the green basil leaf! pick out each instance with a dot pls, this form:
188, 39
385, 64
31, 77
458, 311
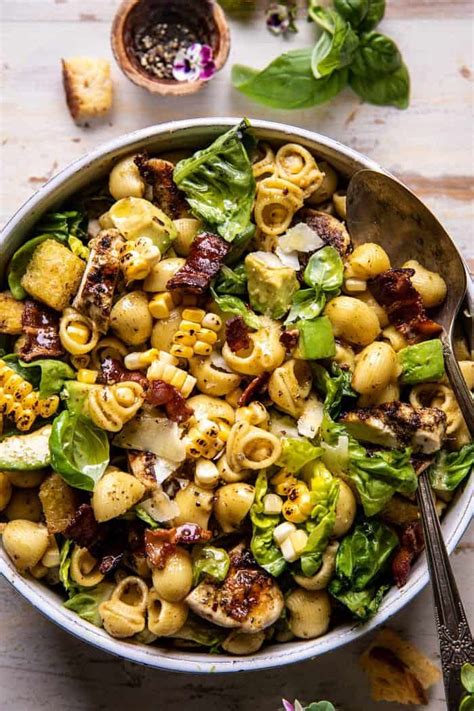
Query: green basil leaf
373, 16
218, 183
145, 517
335, 49
325, 270
307, 304
64, 566
211, 561
234, 305
288, 82
377, 54
354, 11
79, 450
53, 374
467, 677
384, 90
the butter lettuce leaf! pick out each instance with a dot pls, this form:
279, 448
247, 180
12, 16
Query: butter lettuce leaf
85, 603
296, 453
361, 563
450, 469
211, 561
264, 549
334, 384
324, 491
218, 182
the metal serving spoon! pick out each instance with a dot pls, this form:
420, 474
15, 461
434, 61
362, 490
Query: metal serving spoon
382, 210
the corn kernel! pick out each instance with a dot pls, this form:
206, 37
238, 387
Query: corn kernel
87, 376
298, 539
352, 285
282, 531
224, 431
272, 504
298, 506
25, 420
288, 551
48, 406
140, 359
79, 332
166, 357
208, 336
178, 378
189, 326
202, 349
212, 321
188, 386
184, 339
206, 474
195, 315
181, 351
160, 305
283, 482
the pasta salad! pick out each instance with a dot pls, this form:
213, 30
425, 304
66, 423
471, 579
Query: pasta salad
214, 408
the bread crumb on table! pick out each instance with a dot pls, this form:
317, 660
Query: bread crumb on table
397, 670
88, 87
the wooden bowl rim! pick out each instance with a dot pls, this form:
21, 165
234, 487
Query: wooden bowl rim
165, 87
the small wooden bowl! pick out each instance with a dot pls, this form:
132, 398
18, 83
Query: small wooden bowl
204, 15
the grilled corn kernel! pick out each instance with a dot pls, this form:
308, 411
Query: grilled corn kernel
202, 349
208, 336
139, 360
298, 505
184, 338
282, 531
283, 482
189, 327
47, 407
195, 315
272, 504
87, 376
206, 474
203, 440
164, 368
211, 321
160, 305
25, 420
181, 351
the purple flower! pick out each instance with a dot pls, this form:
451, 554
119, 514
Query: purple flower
281, 18
287, 705
194, 63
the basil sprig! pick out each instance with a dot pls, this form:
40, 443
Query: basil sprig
348, 51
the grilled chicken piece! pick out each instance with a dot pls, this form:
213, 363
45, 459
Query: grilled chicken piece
96, 291
396, 424
248, 599
158, 174
331, 230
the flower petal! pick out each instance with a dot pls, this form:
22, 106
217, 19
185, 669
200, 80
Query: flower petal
206, 54
207, 71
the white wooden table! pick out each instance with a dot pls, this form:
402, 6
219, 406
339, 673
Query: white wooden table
429, 146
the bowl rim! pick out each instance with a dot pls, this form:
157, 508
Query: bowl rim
45, 600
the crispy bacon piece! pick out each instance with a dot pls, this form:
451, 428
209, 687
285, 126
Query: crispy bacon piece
113, 371
202, 264
157, 551
395, 292
331, 230
411, 545
84, 528
166, 195
255, 389
41, 328
237, 334
187, 533
289, 339
160, 394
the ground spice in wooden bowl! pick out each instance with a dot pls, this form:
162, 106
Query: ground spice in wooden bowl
147, 36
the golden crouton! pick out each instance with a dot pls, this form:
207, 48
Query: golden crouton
88, 87
398, 671
10, 314
53, 274
59, 503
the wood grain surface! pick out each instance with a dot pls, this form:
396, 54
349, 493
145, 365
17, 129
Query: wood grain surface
429, 146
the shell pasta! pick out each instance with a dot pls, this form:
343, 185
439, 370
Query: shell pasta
210, 430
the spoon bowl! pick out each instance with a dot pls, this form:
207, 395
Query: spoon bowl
382, 210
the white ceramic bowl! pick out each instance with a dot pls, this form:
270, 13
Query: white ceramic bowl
171, 136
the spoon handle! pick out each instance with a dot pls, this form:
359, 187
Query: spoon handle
455, 640
459, 385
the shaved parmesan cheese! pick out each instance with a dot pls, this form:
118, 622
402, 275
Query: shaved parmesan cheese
300, 238
268, 258
218, 361
160, 507
163, 468
282, 425
288, 259
152, 434
312, 417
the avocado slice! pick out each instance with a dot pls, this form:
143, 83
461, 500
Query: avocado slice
271, 285
421, 363
316, 339
26, 452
